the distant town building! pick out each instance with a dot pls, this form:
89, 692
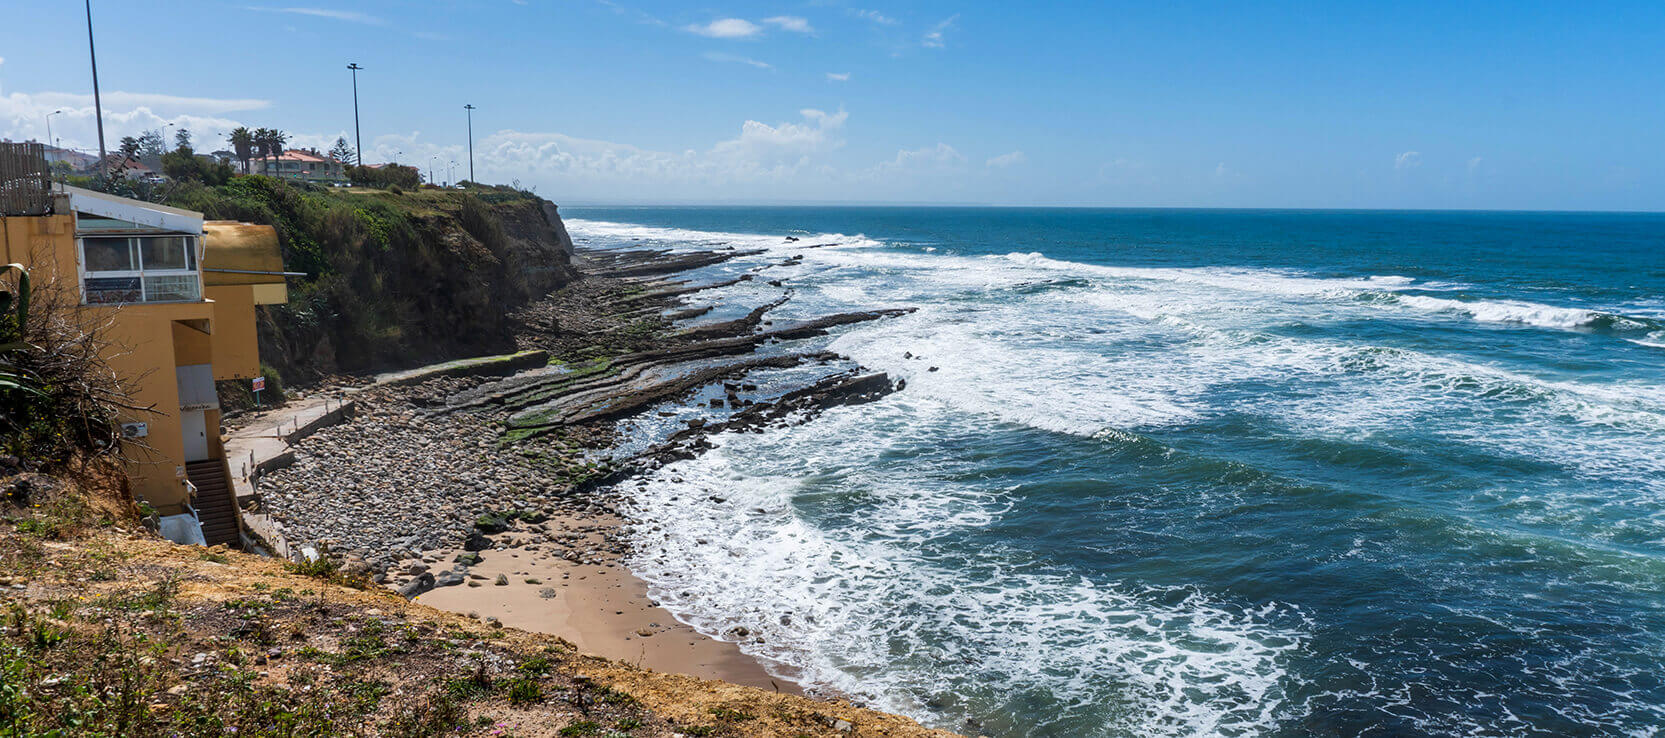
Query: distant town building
79, 161
302, 164
121, 166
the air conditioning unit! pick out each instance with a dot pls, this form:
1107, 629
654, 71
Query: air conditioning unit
135, 430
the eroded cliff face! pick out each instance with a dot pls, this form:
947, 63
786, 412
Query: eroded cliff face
417, 278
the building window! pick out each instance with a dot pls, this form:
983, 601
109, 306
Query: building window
140, 269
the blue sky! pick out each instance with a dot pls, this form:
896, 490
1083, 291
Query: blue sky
1402, 105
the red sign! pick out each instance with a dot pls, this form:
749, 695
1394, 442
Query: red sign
259, 383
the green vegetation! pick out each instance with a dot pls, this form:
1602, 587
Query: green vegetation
392, 277
51, 405
523, 692
385, 177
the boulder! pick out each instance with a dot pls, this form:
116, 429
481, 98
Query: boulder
422, 583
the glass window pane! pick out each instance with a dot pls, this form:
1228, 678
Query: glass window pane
108, 255
103, 290
164, 252
171, 288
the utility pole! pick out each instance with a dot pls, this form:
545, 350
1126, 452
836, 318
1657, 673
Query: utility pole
431, 161
358, 138
98, 105
470, 109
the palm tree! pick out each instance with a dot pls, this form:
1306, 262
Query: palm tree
270, 141
242, 144
263, 147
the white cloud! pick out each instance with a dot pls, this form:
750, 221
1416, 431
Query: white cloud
23, 115
1408, 160
1225, 175
726, 28
874, 16
351, 16
718, 56
1007, 160
790, 23
928, 160
934, 37
762, 155
1474, 165
838, 76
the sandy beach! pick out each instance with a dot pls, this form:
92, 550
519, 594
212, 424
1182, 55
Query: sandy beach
595, 603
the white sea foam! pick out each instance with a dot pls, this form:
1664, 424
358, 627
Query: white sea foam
1093, 351
1655, 339
867, 606
1514, 311
608, 234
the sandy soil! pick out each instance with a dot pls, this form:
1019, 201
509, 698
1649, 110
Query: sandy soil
599, 606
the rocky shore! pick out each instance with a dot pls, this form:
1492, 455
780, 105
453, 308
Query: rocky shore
431, 479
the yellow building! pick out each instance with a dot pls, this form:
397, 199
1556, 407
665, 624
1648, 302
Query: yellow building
175, 296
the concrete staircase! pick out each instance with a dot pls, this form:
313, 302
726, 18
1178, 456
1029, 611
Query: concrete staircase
215, 504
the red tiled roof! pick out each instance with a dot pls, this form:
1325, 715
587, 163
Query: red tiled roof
114, 161
299, 155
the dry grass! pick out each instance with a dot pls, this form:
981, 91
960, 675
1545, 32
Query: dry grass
109, 631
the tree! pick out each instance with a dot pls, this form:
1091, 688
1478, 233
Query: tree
242, 145
129, 150
263, 146
182, 139
270, 142
341, 152
151, 148
183, 164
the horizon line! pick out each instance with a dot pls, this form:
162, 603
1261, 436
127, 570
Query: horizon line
1009, 206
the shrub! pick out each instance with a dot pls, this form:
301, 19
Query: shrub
524, 692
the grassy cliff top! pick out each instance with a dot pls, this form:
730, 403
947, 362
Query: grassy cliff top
109, 631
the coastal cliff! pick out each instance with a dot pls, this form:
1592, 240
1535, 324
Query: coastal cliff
394, 278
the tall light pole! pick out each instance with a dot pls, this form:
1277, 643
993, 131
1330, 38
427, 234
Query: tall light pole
431, 161
358, 138
470, 109
98, 105
49, 126
450, 174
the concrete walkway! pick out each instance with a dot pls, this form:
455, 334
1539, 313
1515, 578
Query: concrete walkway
263, 445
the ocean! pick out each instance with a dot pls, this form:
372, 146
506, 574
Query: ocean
1193, 472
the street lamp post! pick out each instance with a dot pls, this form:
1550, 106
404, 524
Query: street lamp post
358, 138
98, 106
470, 109
450, 173
431, 161
49, 126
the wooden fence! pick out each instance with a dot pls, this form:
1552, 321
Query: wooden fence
25, 179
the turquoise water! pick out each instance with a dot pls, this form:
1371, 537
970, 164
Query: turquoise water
1196, 472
